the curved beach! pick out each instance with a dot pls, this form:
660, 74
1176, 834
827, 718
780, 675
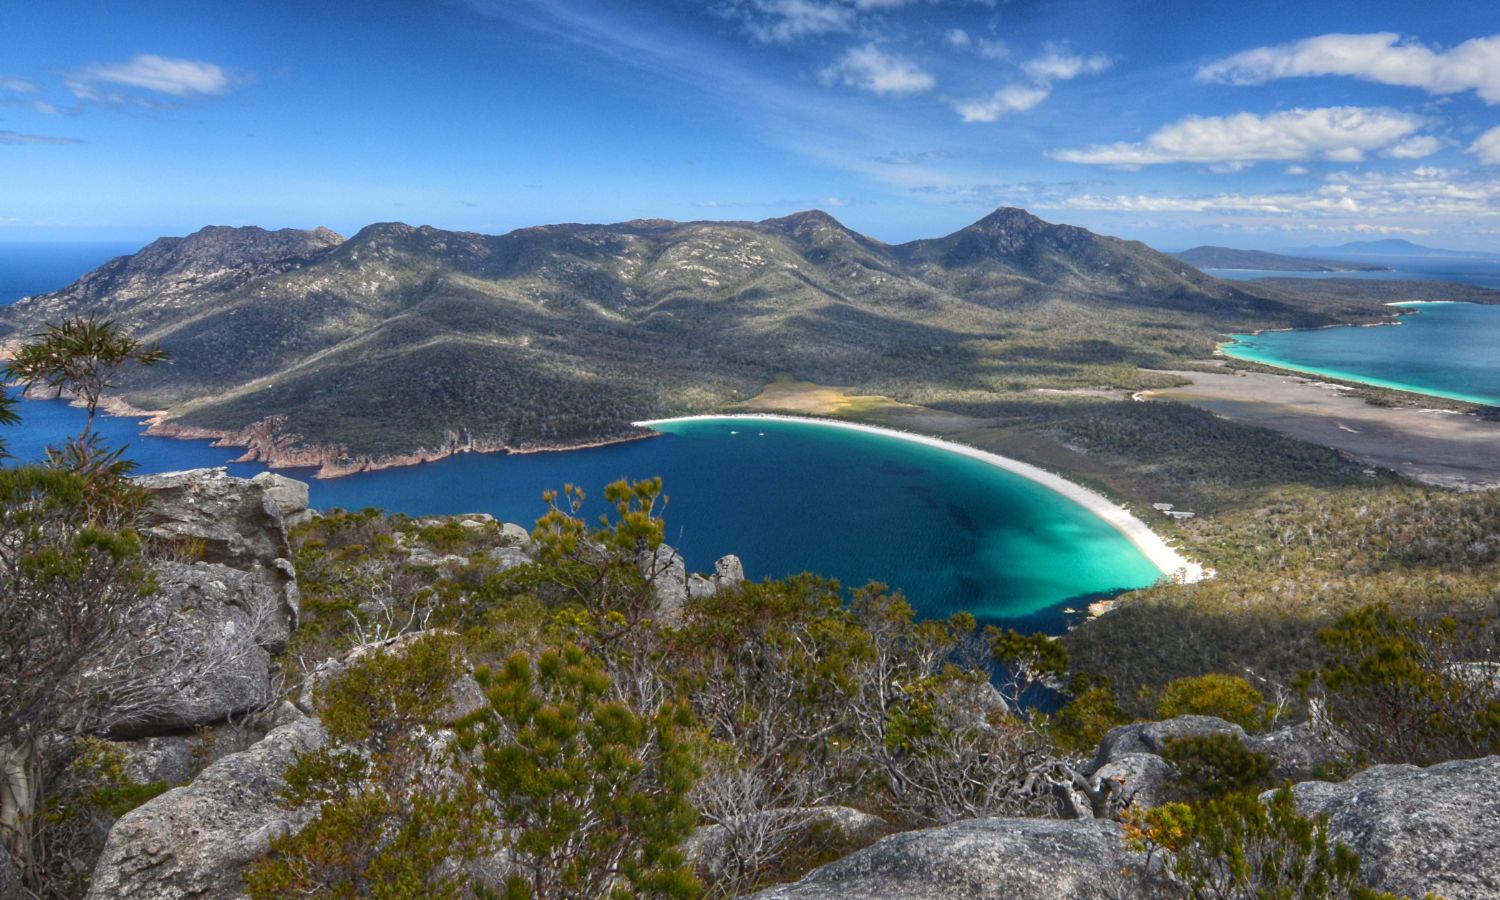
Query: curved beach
1171, 563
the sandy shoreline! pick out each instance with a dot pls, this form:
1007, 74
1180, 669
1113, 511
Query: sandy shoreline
1169, 561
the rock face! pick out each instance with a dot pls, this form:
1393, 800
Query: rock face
1418, 830
1017, 859
196, 841
205, 640
238, 523
205, 660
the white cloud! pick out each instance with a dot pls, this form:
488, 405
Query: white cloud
871, 69
1297, 170
161, 74
782, 21
957, 37
1384, 58
1487, 147
1414, 147
1337, 134
18, 85
1398, 201
836, 202
1058, 65
1055, 64
1009, 99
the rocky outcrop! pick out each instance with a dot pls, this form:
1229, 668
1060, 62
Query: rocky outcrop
200, 661
1018, 859
1418, 830
234, 522
673, 584
196, 841
200, 649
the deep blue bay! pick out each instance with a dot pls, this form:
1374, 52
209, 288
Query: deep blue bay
1442, 349
954, 533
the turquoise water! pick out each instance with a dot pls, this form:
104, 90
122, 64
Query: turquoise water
952, 532
1442, 349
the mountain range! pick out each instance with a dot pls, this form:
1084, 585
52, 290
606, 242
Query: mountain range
404, 343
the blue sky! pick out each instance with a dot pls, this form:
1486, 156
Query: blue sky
1253, 124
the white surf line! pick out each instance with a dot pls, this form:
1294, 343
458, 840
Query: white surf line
1171, 563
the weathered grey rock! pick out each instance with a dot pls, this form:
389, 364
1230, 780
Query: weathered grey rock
516, 533
507, 558
195, 841
710, 848
1418, 830
1143, 779
199, 660
466, 696
728, 571
667, 572
176, 758
1152, 737
699, 586
289, 495
1299, 750
238, 523
1016, 859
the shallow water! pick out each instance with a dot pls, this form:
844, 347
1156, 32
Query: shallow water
1442, 349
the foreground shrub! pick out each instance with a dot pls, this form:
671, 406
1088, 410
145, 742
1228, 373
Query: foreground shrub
1239, 848
1217, 765
1227, 696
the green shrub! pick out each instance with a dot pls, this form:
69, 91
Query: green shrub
1238, 847
1227, 696
1217, 765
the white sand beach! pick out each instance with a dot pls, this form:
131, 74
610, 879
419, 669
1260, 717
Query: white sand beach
1171, 563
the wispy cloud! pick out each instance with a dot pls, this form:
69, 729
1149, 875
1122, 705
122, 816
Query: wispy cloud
782, 21
909, 158
1487, 147
159, 74
1337, 134
15, 137
872, 69
1055, 64
1384, 58
1407, 200
19, 85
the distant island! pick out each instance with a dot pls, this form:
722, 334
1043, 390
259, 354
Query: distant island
1208, 257
403, 344
1387, 247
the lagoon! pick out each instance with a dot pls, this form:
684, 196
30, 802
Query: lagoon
1440, 349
